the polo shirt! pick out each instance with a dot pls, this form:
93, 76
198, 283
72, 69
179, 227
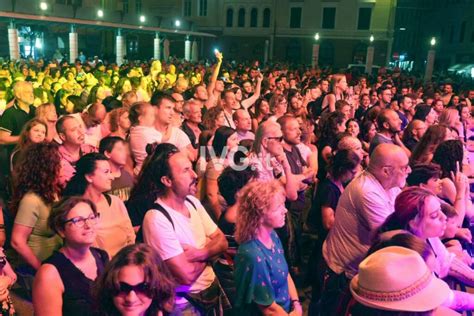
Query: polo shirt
13, 120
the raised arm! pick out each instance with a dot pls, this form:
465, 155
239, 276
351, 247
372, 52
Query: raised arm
247, 103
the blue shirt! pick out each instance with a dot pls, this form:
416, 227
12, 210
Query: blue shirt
261, 276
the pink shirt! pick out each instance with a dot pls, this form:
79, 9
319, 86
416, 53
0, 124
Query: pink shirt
68, 164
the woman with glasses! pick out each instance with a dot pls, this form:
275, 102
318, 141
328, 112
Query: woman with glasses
92, 179
63, 283
135, 282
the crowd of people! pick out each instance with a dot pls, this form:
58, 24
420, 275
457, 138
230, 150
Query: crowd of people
185, 189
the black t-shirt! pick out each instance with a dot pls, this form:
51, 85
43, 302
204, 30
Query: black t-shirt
13, 120
327, 194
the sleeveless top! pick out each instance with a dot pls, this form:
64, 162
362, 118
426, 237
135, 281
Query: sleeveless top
77, 297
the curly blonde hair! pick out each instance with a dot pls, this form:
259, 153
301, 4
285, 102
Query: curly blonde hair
254, 201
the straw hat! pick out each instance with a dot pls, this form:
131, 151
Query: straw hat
397, 279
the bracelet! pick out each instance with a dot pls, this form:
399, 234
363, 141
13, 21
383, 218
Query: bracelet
295, 301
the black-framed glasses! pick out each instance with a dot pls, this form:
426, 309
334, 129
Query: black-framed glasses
276, 138
80, 221
142, 288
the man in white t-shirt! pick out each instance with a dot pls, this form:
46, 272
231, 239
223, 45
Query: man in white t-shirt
182, 231
362, 208
164, 109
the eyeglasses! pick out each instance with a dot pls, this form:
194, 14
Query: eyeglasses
80, 221
404, 169
277, 138
139, 289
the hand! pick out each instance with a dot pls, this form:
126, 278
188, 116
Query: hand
193, 254
219, 56
297, 309
460, 181
5, 282
465, 234
259, 77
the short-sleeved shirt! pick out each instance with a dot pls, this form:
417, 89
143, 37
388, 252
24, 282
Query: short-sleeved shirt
114, 230
363, 207
167, 238
13, 120
327, 194
377, 140
178, 138
68, 164
33, 212
261, 276
140, 136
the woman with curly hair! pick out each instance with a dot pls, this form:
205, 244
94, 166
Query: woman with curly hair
136, 268
213, 118
263, 283
33, 132
36, 187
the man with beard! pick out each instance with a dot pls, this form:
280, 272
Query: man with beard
181, 231
200, 94
290, 234
389, 125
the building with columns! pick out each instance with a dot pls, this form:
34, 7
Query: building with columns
268, 30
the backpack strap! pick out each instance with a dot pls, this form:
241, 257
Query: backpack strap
162, 210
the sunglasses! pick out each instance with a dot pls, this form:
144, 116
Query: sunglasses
139, 289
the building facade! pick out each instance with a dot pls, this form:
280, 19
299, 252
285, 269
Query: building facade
450, 22
272, 30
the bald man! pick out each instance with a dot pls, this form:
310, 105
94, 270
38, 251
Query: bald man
364, 205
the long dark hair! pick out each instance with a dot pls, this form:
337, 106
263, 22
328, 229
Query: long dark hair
156, 165
219, 143
161, 286
447, 155
38, 173
86, 165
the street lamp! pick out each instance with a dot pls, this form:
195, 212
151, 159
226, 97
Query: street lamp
177, 23
371, 38
315, 58
142, 18
430, 59
433, 41
369, 58
100, 13
43, 6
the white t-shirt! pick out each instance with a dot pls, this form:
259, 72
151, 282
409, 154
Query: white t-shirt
178, 138
159, 233
362, 208
140, 136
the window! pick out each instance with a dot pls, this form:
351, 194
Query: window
462, 32
451, 34
364, 18
138, 6
266, 18
202, 8
230, 18
253, 17
187, 8
60, 1
125, 6
329, 18
241, 18
472, 37
295, 18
